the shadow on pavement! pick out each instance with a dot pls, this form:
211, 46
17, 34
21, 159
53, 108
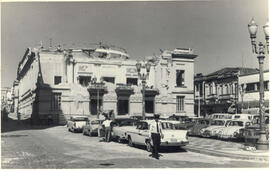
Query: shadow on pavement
163, 149
12, 136
9, 125
171, 149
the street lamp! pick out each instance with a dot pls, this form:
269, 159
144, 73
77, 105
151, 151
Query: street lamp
262, 143
143, 77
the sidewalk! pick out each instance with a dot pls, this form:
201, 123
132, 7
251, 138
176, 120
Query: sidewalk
224, 149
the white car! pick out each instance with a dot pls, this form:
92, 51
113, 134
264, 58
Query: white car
76, 123
232, 130
215, 126
91, 127
119, 131
171, 137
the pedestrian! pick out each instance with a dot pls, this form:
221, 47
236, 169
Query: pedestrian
155, 134
111, 115
174, 117
107, 126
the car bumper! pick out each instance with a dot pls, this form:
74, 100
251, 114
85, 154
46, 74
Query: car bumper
183, 143
95, 131
78, 129
227, 136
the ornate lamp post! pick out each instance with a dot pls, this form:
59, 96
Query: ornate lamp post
262, 143
143, 77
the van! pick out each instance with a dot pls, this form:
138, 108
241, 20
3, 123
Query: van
220, 116
243, 116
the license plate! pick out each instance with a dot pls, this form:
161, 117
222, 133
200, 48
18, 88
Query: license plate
173, 140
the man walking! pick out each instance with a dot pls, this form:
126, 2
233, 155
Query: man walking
155, 134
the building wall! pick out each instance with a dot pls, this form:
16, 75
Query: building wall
51, 65
27, 86
220, 91
249, 97
38, 94
217, 95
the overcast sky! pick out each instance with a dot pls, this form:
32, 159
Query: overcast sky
217, 30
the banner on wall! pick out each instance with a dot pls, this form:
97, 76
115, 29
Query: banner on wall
131, 72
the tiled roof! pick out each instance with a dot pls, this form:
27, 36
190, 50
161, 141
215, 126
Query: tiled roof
234, 70
227, 72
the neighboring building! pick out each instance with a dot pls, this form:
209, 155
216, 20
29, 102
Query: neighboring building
59, 83
6, 102
6, 98
249, 92
219, 90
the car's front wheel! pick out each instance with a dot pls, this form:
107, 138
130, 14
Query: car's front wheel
130, 143
90, 133
118, 139
148, 146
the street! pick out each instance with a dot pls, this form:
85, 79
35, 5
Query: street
55, 147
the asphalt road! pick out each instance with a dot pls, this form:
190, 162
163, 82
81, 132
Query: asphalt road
55, 147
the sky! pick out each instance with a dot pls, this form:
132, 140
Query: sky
216, 30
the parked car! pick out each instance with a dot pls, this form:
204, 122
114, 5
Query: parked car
187, 123
91, 127
215, 125
250, 134
200, 124
76, 123
120, 128
232, 130
139, 135
178, 118
178, 125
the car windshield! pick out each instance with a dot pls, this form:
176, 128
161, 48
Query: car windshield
127, 123
96, 122
222, 116
167, 125
267, 121
236, 123
227, 123
142, 125
80, 119
218, 123
179, 126
204, 122
256, 120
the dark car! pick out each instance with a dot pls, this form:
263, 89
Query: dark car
251, 133
186, 123
200, 124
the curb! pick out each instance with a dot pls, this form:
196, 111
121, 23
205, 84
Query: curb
223, 154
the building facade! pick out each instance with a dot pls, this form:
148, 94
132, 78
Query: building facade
6, 98
218, 91
249, 94
58, 83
